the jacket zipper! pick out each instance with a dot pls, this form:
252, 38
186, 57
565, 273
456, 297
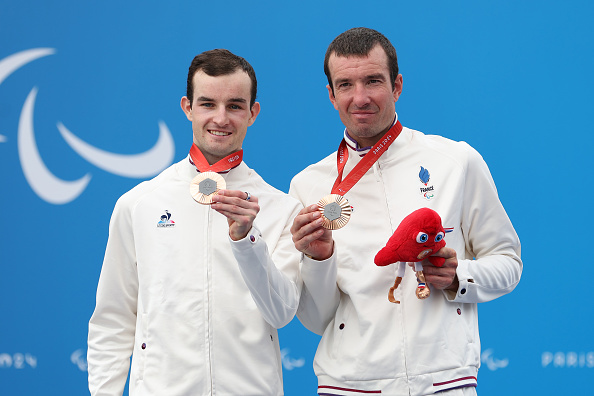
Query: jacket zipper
208, 304
378, 177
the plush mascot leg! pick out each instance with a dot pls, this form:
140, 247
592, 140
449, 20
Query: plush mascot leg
399, 274
391, 292
423, 290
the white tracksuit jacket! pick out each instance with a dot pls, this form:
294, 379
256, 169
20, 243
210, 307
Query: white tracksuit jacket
417, 347
197, 311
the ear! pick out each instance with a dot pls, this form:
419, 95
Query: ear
331, 96
397, 87
255, 110
186, 106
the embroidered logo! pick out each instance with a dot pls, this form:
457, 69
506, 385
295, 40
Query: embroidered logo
165, 220
428, 191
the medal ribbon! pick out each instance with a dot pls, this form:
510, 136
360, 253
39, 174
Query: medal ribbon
341, 187
230, 161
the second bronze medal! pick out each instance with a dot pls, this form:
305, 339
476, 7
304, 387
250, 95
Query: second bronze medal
335, 210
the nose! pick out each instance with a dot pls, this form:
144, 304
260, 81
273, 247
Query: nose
361, 96
221, 117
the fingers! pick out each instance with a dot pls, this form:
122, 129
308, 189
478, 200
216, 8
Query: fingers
309, 236
235, 196
306, 217
234, 202
440, 278
446, 253
444, 276
307, 226
240, 212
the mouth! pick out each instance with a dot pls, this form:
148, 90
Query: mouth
218, 133
362, 114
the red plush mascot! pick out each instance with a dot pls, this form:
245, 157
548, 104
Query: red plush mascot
419, 235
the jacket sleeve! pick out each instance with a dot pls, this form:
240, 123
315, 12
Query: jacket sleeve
320, 295
273, 280
112, 325
492, 265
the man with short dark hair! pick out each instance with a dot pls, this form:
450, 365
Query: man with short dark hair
199, 269
377, 336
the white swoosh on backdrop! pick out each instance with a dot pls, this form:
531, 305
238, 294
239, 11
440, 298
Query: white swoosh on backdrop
54, 190
140, 165
13, 62
42, 181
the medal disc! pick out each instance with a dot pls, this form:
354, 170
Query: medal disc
205, 185
335, 210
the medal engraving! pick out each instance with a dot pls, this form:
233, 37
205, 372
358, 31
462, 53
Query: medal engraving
205, 186
332, 211
336, 211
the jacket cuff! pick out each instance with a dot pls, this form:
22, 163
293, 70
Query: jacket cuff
252, 237
319, 269
467, 289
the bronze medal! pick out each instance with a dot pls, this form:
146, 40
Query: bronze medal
335, 210
205, 185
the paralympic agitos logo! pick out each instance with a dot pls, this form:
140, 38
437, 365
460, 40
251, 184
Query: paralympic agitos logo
50, 187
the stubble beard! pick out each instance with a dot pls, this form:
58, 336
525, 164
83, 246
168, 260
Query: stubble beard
367, 135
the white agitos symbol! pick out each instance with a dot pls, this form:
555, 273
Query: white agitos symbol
53, 189
492, 363
79, 357
290, 363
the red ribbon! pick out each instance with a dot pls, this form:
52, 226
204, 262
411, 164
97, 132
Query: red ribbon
341, 187
230, 161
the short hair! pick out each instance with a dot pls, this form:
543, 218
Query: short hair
220, 62
359, 42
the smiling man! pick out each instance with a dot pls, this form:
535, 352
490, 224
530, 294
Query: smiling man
199, 269
370, 345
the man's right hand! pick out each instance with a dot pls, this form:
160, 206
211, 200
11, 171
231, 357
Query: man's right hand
309, 236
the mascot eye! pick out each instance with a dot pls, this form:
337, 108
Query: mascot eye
422, 237
439, 236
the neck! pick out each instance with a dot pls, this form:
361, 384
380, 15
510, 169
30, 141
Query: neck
209, 157
213, 162
366, 142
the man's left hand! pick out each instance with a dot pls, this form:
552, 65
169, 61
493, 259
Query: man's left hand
240, 211
444, 277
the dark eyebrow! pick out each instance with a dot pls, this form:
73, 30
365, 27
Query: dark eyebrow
377, 76
232, 100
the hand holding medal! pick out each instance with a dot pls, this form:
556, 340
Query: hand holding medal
208, 188
312, 227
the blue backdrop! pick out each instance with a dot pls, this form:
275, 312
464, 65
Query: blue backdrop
87, 84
